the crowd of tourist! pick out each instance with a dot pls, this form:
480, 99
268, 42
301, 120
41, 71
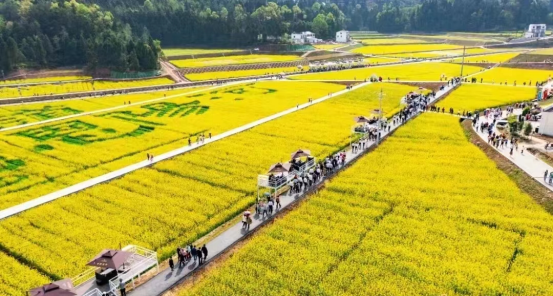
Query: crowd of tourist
185, 255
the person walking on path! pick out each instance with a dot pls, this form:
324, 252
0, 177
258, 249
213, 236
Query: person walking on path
271, 206
193, 253
204, 251
545, 175
199, 254
249, 222
122, 288
278, 205
244, 221
171, 263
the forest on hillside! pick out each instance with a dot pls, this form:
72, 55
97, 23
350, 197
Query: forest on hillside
126, 34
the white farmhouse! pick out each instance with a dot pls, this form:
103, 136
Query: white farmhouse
304, 37
535, 31
342, 36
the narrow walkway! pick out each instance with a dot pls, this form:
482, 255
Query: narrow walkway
172, 71
167, 279
118, 173
11, 128
526, 161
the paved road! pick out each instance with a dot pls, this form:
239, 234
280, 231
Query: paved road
166, 279
526, 161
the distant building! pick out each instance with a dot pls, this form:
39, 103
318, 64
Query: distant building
535, 31
342, 36
304, 37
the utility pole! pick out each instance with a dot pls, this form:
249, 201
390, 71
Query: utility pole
463, 61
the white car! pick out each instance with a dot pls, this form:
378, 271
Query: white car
501, 124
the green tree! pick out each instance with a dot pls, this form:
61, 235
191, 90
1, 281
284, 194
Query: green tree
134, 65
319, 26
14, 54
527, 129
5, 62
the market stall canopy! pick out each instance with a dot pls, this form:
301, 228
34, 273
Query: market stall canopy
279, 168
59, 288
361, 119
110, 259
301, 153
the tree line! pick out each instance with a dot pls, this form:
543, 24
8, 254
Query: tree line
117, 34
47, 34
241, 22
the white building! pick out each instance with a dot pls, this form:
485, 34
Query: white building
535, 31
342, 36
304, 37
546, 121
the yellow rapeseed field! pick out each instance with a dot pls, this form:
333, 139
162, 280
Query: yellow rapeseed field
417, 71
471, 97
17, 278
328, 46
426, 213
176, 201
72, 87
389, 49
374, 41
443, 53
232, 60
43, 80
41, 159
492, 58
241, 73
13, 115
510, 75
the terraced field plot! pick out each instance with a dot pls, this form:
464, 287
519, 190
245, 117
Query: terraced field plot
13, 115
374, 41
243, 73
390, 49
41, 159
418, 72
232, 60
176, 201
170, 52
72, 87
510, 75
544, 51
472, 37
432, 216
470, 97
